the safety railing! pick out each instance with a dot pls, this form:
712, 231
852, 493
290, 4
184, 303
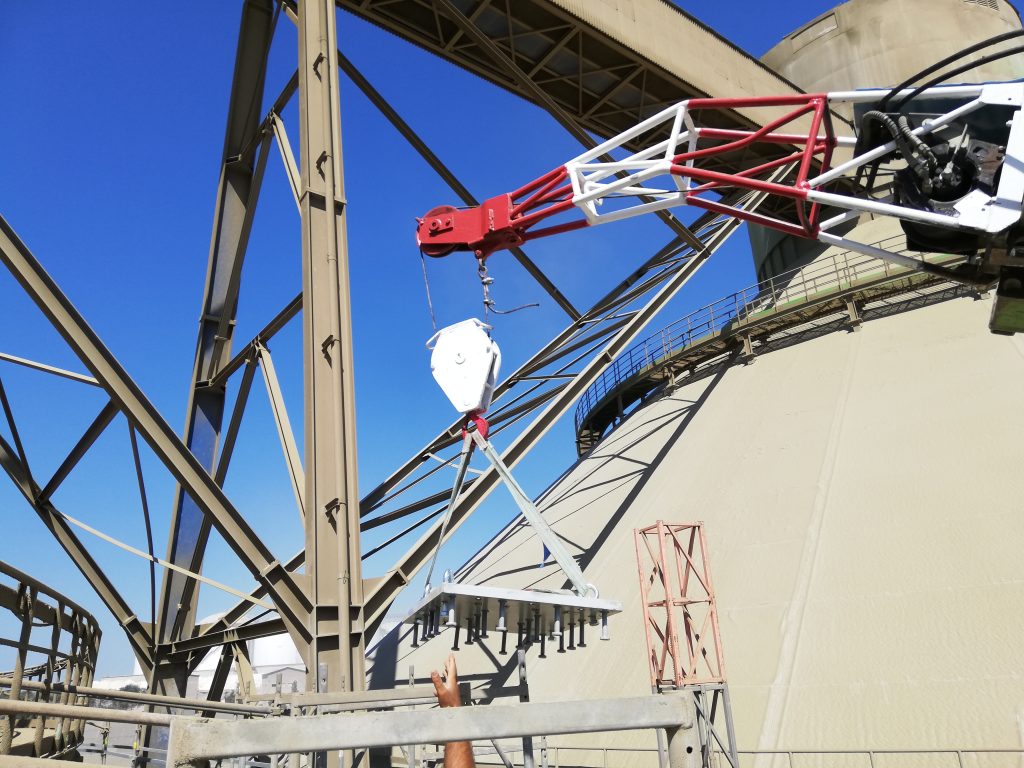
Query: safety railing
103, 747
112, 719
782, 293
613, 757
55, 646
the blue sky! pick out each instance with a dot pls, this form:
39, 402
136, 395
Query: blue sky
111, 143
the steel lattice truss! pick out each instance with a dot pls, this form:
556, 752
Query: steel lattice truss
527, 404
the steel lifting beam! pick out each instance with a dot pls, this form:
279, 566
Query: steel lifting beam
286, 593
237, 191
385, 590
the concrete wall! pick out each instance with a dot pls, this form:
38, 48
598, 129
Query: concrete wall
863, 508
878, 43
669, 37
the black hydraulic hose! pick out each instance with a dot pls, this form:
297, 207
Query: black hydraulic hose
894, 130
909, 144
948, 60
958, 71
885, 120
918, 143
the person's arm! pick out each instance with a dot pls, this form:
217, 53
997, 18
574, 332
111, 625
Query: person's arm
457, 754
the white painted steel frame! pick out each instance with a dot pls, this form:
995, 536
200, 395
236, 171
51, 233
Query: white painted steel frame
589, 176
536, 520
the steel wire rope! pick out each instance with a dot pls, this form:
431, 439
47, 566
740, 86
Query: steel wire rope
486, 281
166, 564
426, 286
959, 71
948, 60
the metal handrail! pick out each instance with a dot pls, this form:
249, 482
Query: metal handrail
59, 673
764, 299
868, 754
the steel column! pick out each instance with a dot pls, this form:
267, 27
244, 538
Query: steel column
335, 656
26, 600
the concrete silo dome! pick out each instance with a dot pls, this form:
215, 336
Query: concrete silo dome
878, 43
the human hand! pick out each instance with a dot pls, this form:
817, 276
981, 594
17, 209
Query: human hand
447, 687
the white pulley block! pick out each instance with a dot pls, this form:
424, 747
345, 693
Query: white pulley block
465, 363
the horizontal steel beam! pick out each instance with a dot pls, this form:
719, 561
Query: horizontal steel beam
24, 761
202, 643
9, 707
192, 741
139, 698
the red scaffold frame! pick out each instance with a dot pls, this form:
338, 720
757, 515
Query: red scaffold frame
669, 173
685, 648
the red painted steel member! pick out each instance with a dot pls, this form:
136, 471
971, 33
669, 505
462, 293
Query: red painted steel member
507, 220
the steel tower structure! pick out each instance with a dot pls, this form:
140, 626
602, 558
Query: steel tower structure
318, 595
581, 64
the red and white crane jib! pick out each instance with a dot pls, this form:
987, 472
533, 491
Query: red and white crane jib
610, 182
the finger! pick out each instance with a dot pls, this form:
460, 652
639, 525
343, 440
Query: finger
449, 667
435, 678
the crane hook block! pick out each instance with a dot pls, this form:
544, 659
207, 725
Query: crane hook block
465, 363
